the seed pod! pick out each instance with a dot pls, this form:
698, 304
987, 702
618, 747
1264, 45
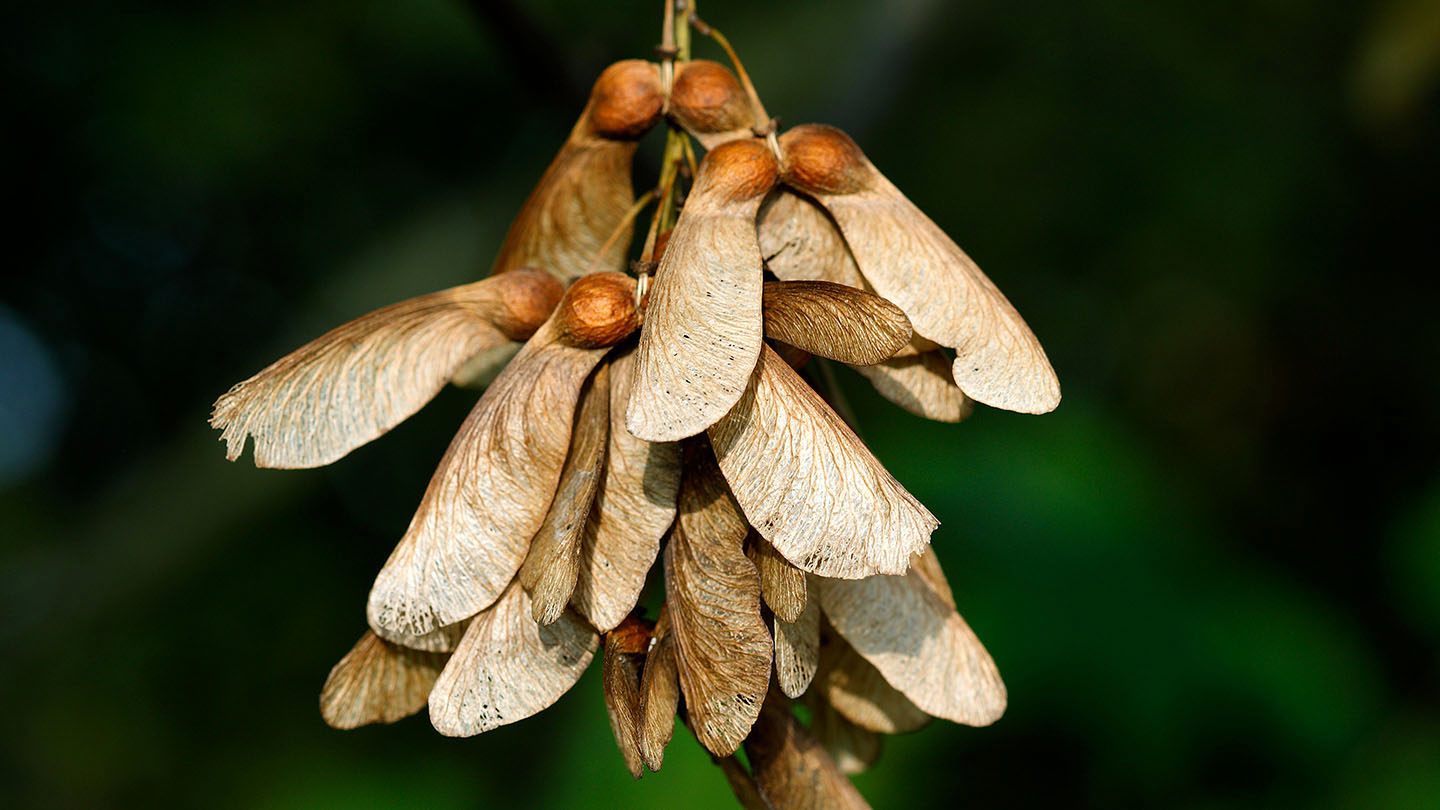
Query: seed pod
708, 101
553, 563
659, 694
494, 487
703, 331
355, 382
910, 261
598, 311
584, 194
625, 646
810, 486
508, 667
626, 100
378, 682
797, 647
722, 647
946, 671
634, 507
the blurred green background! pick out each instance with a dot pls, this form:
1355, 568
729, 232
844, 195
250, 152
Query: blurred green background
1211, 578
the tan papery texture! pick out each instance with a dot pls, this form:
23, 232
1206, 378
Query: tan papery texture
810, 486
712, 593
919, 643
634, 507
550, 570
853, 748
856, 689
580, 200
835, 321
620, 679
355, 382
927, 565
910, 261
489, 495
792, 770
378, 682
441, 639
508, 667
800, 242
781, 584
921, 383
702, 330
659, 694
797, 648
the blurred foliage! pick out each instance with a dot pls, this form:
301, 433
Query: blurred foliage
1211, 578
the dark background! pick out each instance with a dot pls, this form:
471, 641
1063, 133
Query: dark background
1211, 578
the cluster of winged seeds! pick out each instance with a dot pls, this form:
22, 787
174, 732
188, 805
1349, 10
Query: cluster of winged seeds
673, 421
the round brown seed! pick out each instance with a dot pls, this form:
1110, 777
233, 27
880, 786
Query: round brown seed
708, 98
527, 299
626, 99
739, 170
597, 311
822, 159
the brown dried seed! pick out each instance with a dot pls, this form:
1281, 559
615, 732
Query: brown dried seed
528, 298
620, 679
739, 170
824, 160
707, 100
378, 682
597, 311
626, 100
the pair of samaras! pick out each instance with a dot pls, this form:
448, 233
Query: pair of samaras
703, 323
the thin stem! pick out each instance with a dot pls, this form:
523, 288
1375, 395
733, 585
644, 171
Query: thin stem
674, 47
761, 117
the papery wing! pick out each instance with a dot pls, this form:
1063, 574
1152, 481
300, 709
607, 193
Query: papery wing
489, 495
834, 321
722, 646
508, 667
355, 382
919, 643
634, 507
378, 682
553, 564
810, 486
